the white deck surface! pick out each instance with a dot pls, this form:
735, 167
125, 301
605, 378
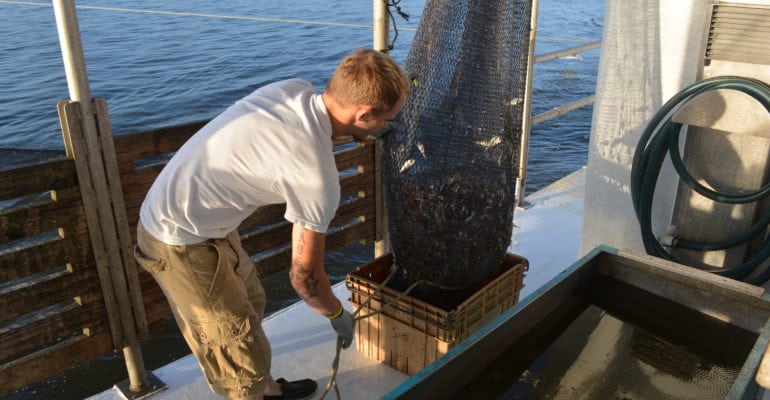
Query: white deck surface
547, 234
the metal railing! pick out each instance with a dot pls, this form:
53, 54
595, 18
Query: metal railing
529, 121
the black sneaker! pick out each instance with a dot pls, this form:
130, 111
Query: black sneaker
294, 390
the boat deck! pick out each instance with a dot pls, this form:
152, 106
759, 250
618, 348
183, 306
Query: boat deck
546, 233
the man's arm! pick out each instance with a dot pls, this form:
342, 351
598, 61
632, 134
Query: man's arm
307, 273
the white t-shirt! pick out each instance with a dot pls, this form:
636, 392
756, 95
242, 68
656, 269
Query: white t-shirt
273, 146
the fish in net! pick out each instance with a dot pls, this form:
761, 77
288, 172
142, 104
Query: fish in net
450, 164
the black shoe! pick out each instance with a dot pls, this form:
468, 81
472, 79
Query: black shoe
294, 390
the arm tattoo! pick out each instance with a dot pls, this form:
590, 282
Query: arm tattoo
303, 278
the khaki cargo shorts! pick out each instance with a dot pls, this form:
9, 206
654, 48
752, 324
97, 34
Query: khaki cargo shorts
217, 300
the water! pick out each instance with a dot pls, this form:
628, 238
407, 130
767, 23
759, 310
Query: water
162, 69
158, 70
620, 343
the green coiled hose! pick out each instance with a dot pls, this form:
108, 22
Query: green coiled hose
661, 137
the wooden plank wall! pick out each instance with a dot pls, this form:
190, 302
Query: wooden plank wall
53, 314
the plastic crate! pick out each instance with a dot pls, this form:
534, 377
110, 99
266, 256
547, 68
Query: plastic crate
409, 334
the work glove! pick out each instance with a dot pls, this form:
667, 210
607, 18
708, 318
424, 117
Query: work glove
343, 324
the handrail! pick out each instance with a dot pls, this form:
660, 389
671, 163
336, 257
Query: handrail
572, 51
557, 111
561, 110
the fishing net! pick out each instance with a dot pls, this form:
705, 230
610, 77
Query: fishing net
450, 166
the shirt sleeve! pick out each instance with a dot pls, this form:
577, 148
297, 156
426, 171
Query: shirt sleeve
312, 198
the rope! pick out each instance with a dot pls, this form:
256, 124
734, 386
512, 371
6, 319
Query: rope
365, 303
394, 4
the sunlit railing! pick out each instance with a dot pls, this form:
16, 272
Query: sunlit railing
557, 111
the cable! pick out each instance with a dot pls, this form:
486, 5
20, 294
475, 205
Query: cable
364, 304
661, 137
405, 16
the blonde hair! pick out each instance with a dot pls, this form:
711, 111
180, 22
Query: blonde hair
370, 77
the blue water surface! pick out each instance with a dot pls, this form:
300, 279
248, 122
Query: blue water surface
166, 63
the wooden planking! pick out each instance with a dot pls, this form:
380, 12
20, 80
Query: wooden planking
353, 184
350, 185
101, 232
143, 145
279, 261
362, 207
65, 211
276, 262
126, 284
268, 238
147, 145
37, 178
153, 143
64, 355
279, 234
75, 250
62, 286
135, 186
353, 157
360, 231
264, 215
136, 182
48, 328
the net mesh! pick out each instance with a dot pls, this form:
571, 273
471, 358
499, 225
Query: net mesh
450, 166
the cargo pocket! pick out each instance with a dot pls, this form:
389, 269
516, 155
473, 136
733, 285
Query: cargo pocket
229, 351
211, 263
150, 264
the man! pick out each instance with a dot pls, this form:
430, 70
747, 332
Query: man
273, 146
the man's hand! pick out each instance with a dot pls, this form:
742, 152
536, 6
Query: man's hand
343, 325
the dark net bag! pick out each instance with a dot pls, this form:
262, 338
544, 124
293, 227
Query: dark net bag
450, 166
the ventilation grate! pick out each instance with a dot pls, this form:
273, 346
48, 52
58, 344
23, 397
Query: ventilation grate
739, 33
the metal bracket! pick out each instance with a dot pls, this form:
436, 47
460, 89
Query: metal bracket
154, 385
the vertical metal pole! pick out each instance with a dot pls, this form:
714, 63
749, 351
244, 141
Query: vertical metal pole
380, 25
526, 121
74, 62
380, 42
77, 81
